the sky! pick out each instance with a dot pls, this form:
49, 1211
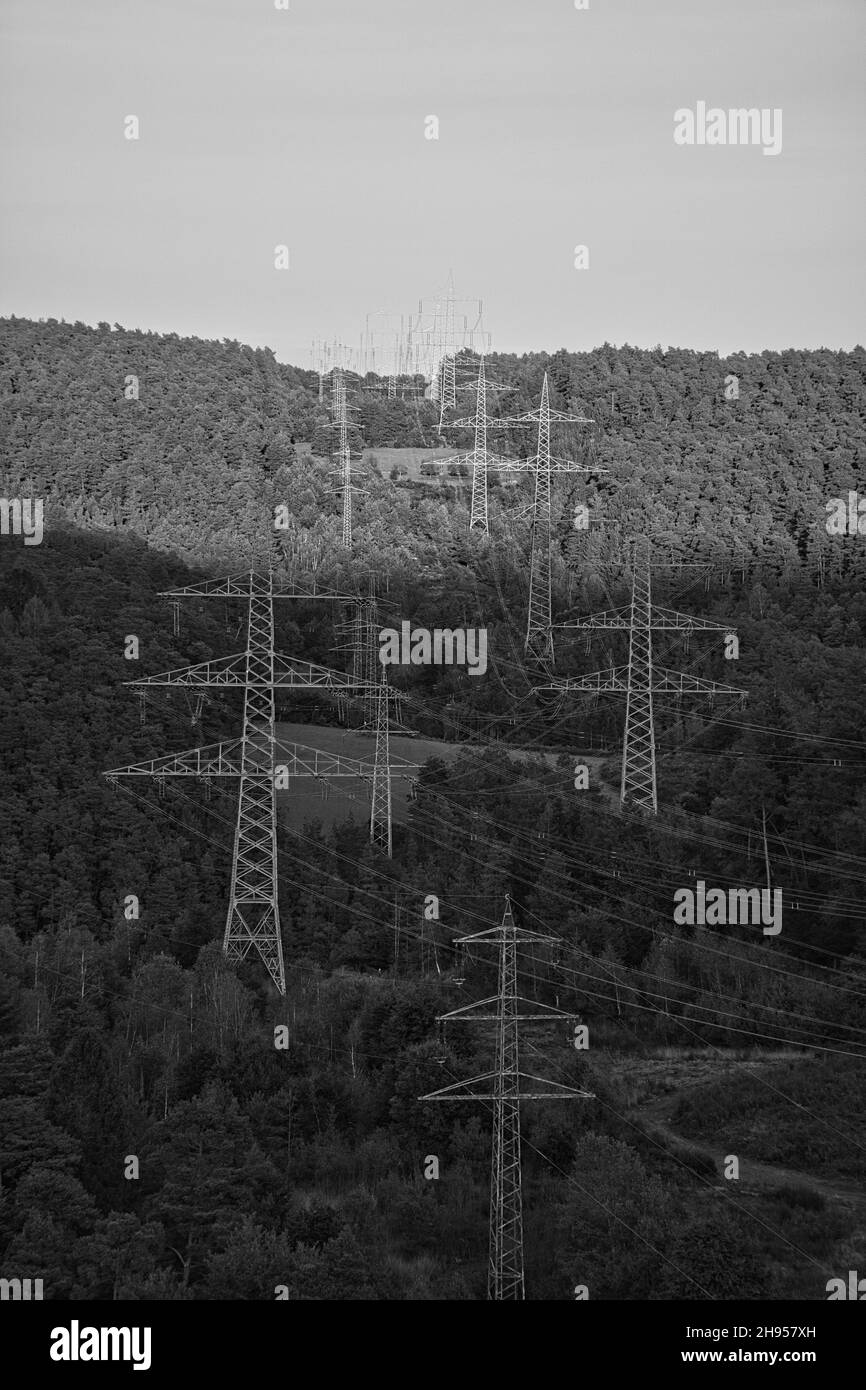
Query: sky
305, 127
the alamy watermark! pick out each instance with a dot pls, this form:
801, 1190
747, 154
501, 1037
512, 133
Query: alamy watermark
419, 646
735, 907
846, 517
22, 516
20, 1290
76, 1343
737, 126
854, 1288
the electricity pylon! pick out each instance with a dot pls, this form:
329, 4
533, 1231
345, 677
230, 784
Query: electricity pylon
479, 459
509, 1087
252, 921
441, 341
400, 347
640, 680
340, 411
326, 357
293, 760
380, 808
442, 382
539, 634
364, 647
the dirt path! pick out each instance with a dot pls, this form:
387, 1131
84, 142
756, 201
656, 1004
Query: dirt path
754, 1177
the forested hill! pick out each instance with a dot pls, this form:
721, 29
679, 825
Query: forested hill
218, 435
304, 1168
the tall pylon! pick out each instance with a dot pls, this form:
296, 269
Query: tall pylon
638, 777
509, 1086
539, 623
365, 655
395, 346
478, 511
539, 635
252, 921
480, 459
448, 387
443, 385
380, 809
362, 629
340, 421
641, 679
347, 500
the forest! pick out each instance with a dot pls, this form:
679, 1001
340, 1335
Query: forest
154, 1142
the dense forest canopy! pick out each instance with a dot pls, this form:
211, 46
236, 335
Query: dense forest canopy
304, 1167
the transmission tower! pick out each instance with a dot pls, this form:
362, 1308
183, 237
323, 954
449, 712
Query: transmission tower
539, 634
364, 647
340, 421
328, 357
439, 335
480, 459
443, 384
253, 920
508, 1087
387, 348
641, 679
380, 810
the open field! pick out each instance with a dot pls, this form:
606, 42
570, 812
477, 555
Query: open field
412, 459
335, 799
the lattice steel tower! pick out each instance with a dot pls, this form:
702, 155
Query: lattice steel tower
509, 1086
641, 679
253, 922
364, 648
340, 411
539, 635
380, 810
479, 459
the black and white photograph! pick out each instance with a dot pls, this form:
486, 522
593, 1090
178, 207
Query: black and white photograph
433, 651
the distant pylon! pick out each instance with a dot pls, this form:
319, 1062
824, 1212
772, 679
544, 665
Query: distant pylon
380, 810
448, 388
640, 680
478, 512
540, 615
365, 654
443, 377
395, 346
340, 411
505, 1277
480, 459
347, 499
539, 635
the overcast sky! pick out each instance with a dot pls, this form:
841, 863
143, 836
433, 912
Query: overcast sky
307, 127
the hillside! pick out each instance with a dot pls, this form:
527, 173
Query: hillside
124, 1035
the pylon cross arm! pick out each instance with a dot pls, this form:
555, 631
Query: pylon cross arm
613, 618
556, 1092
560, 467
238, 586
213, 760
668, 619
495, 936
612, 681
666, 682
224, 671
504, 464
